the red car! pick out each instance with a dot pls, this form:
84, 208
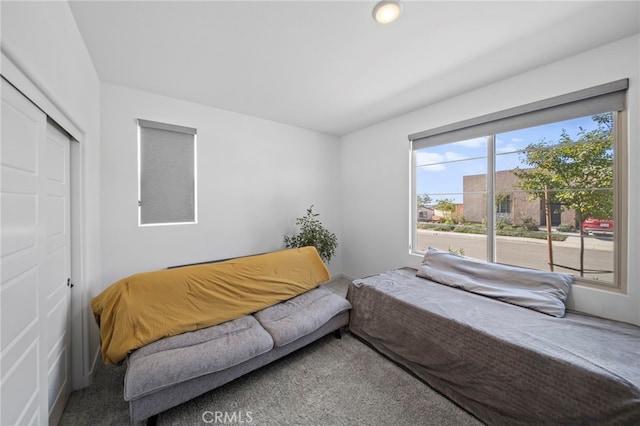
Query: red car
598, 226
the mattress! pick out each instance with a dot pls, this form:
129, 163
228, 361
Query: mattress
503, 363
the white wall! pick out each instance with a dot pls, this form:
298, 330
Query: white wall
254, 178
43, 41
376, 173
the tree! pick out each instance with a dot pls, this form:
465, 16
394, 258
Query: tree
447, 206
577, 174
423, 200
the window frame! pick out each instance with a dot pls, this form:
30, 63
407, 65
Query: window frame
477, 127
141, 123
504, 202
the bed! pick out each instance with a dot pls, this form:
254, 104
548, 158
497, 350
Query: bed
504, 363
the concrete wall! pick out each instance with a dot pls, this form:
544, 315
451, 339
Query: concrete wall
522, 207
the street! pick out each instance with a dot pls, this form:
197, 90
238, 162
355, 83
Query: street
530, 252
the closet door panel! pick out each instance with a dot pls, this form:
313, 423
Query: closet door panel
35, 264
57, 266
23, 372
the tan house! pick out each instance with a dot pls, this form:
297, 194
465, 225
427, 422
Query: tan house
512, 204
425, 214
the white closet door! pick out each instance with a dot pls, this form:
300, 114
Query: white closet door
57, 269
34, 264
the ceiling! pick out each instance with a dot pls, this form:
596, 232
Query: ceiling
326, 65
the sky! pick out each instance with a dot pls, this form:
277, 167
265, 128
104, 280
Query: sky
439, 169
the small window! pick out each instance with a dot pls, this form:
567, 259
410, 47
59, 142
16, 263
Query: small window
503, 208
166, 174
503, 204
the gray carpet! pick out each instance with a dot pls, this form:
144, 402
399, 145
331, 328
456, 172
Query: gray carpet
330, 382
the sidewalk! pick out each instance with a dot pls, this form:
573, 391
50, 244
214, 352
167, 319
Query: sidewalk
591, 242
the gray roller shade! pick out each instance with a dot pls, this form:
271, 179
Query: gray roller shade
167, 173
594, 100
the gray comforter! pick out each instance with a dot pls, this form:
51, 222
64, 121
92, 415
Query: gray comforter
503, 363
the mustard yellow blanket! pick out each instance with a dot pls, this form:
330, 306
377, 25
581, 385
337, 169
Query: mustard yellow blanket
145, 307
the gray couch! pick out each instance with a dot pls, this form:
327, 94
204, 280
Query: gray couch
173, 370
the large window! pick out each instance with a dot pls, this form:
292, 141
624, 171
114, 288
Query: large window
167, 174
540, 186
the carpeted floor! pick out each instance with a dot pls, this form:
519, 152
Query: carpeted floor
330, 382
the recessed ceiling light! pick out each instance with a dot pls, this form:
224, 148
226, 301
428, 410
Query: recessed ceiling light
386, 12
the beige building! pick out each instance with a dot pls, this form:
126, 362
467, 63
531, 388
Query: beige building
511, 204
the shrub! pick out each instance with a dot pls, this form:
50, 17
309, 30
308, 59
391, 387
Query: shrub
313, 233
459, 252
503, 223
529, 224
566, 227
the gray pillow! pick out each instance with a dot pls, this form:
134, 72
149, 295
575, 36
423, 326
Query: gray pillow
542, 291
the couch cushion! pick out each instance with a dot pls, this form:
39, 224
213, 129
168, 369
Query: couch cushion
541, 291
179, 358
297, 317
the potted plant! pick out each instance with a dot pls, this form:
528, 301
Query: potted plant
313, 233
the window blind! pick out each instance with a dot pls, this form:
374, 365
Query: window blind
167, 173
594, 100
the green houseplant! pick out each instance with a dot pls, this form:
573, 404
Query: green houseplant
313, 233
